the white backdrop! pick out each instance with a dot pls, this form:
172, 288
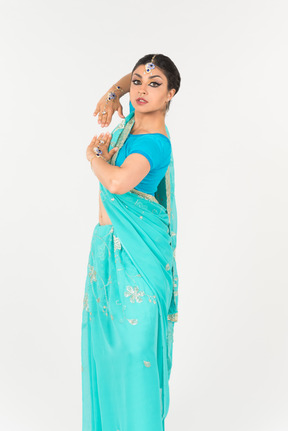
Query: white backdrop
228, 126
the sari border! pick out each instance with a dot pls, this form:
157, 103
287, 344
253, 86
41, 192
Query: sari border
168, 192
144, 195
173, 317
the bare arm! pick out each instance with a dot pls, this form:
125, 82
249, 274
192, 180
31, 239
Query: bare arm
112, 105
117, 179
121, 179
124, 83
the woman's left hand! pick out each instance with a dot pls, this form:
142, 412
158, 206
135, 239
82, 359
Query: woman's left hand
103, 146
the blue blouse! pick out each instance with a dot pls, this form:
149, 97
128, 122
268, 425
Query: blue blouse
156, 147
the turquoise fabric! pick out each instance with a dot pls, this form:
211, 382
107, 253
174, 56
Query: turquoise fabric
157, 149
130, 307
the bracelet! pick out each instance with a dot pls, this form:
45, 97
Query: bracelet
111, 95
117, 87
96, 156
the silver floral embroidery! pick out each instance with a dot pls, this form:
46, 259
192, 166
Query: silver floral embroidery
92, 273
85, 302
117, 243
167, 266
134, 293
147, 364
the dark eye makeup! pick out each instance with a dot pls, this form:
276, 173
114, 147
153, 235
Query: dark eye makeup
153, 82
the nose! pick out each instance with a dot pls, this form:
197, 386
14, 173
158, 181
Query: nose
142, 89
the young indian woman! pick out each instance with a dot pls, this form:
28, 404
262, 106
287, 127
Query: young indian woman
130, 301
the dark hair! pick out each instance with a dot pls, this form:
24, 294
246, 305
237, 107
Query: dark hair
167, 66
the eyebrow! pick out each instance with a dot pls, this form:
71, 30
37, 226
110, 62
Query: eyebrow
150, 77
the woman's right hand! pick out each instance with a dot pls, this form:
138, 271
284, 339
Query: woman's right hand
111, 106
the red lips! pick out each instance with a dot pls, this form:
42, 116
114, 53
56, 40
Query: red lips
141, 98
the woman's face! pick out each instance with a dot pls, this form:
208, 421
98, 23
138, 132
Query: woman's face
151, 87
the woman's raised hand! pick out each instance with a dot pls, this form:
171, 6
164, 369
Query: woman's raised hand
110, 107
103, 142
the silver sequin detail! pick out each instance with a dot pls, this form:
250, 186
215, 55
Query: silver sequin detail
133, 321
117, 243
134, 293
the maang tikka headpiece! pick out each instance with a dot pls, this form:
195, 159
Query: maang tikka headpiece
150, 66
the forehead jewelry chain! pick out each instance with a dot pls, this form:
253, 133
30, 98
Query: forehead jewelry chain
150, 66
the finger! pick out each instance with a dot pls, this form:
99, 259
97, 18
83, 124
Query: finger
101, 137
107, 139
93, 139
103, 118
109, 116
113, 151
96, 111
120, 111
96, 139
102, 140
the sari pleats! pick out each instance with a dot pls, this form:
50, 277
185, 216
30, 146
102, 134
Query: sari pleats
121, 346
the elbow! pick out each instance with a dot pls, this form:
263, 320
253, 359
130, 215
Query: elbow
114, 187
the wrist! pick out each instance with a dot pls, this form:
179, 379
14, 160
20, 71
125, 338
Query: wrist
117, 90
96, 157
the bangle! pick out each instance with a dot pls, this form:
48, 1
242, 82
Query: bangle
91, 160
117, 87
96, 156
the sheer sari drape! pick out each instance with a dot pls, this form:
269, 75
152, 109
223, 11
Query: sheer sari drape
142, 242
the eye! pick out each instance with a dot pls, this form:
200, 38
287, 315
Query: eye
154, 82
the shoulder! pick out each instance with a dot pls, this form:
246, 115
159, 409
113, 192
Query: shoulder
152, 138
155, 147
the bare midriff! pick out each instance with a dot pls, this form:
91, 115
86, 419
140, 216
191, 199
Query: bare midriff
103, 216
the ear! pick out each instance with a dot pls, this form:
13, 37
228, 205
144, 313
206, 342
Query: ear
171, 94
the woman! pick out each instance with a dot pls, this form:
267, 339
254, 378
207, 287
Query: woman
131, 303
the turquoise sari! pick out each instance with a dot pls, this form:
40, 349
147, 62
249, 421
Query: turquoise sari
130, 307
